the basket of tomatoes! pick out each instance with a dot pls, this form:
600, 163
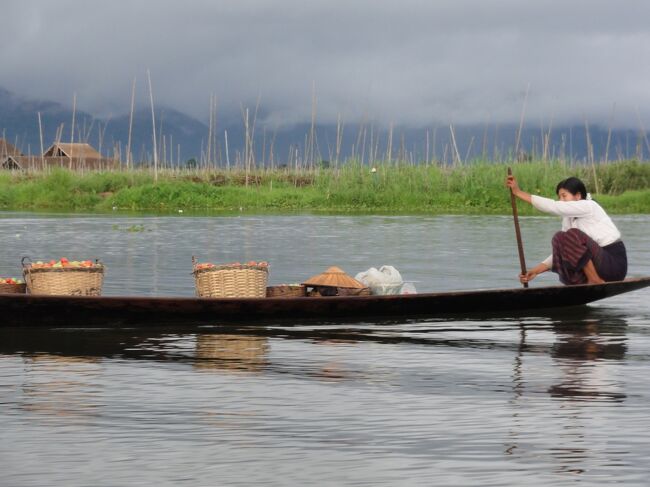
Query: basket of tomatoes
9, 285
64, 277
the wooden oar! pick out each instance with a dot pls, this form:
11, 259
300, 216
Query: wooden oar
520, 245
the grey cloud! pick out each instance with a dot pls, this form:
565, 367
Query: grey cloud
408, 62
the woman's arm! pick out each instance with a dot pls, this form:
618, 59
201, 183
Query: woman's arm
511, 182
574, 209
570, 209
531, 274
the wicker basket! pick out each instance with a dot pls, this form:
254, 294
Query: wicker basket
12, 288
286, 291
231, 281
66, 281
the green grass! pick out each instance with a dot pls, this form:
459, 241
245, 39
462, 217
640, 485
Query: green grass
475, 188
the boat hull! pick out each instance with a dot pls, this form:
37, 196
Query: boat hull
82, 311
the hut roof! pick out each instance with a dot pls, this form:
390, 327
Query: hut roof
7, 149
334, 277
78, 150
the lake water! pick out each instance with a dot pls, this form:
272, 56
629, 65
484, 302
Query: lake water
546, 399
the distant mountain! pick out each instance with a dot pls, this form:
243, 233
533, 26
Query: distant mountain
180, 138
19, 124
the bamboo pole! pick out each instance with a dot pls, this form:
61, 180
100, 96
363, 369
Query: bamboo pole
433, 145
40, 133
246, 145
520, 245
225, 136
129, 157
310, 149
214, 129
453, 141
609, 133
74, 109
153, 128
339, 138
209, 149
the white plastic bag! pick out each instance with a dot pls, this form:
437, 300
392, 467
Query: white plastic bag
408, 288
386, 280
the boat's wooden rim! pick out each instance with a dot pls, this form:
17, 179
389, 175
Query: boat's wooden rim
640, 281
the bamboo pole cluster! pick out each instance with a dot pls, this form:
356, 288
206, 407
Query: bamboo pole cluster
372, 144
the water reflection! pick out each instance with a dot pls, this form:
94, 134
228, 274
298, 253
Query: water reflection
591, 340
582, 352
586, 351
583, 335
233, 352
334, 369
61, 386
536, 385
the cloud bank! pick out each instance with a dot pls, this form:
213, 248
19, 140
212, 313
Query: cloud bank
410, 62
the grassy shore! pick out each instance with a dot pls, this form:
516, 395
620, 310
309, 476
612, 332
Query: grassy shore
621, 187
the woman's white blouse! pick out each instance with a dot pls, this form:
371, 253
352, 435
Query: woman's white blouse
585, 215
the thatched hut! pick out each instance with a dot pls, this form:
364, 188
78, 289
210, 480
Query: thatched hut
73, 151
8, 155
67, 156
11, 162
8, 149
74, 156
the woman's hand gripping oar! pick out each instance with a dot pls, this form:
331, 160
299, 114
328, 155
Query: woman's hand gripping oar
520, 245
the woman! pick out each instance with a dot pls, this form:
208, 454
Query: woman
589, 247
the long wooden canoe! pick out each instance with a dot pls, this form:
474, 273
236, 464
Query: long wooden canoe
82, 311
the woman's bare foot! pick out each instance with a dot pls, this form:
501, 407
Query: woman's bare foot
592, 274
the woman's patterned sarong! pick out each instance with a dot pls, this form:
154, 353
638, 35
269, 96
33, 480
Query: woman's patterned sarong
574, 248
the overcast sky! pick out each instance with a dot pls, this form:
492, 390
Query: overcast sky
403, 62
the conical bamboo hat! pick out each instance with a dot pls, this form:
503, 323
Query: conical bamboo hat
334, 277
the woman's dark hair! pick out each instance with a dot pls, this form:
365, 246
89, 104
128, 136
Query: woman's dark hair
573, 186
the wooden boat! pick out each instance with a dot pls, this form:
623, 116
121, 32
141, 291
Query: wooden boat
83, 311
